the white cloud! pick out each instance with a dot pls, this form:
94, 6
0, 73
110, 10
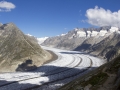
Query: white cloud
6, 6
101, 17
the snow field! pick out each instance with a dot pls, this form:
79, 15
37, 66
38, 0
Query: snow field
50, 76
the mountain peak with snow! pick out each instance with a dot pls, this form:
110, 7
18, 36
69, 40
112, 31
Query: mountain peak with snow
29, 34
77, 36
41, 40
91, 32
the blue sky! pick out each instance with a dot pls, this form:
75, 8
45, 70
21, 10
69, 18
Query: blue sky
53, 17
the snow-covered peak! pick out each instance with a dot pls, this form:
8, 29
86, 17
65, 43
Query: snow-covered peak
63, 34
102, 32
76, 29
29, 34
81, 33
41, 40
90, 32
114, 29
94, 33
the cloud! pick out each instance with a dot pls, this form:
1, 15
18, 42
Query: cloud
6, 6
101, 17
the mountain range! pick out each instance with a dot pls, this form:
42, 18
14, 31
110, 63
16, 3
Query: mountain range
103, 41
20, 52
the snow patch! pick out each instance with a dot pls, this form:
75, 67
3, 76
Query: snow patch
113, 29
102, 32
76, 29
41, 40
63, 34
81, 34
89, 33
29, 34
94, 33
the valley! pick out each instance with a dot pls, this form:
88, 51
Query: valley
69, 66
50, 63
59, 45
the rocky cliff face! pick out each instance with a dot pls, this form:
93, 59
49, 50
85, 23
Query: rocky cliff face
16, 48
103, 41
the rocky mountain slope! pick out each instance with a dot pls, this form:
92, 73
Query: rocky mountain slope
17, 49
103, 41
108, 48
74, 38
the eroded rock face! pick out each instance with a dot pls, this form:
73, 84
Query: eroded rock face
15, 48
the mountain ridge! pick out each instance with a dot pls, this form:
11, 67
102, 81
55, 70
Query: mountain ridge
87, 40
17, 48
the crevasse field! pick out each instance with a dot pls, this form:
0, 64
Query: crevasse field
50, 76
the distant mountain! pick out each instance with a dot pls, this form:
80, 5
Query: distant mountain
106, 47
41, 40
17, 49
103, 41
74, 38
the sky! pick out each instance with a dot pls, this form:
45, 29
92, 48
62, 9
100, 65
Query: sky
49, 18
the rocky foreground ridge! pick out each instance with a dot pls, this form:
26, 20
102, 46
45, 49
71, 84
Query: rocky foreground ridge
103, 41
19, 52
